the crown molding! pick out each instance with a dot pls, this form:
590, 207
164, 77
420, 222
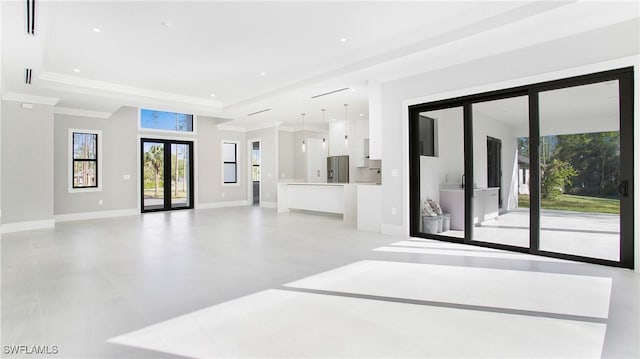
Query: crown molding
265, 125
78, 112
85, 83
287, 129
231, 128
21, 97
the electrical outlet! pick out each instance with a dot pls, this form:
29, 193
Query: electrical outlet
100, 202
126, 177
394, 211
223, 194
268, 194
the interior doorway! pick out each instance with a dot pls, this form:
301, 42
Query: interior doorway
166, 174
494, 166
255, 173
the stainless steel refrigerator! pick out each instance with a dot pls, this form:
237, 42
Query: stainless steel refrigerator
338, 169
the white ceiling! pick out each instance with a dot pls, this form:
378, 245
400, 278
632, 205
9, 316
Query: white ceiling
223, 47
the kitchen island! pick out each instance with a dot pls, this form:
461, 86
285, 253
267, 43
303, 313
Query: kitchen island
336, 198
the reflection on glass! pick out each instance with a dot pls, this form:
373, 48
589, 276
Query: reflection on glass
501, 171
580, 170
153, 169
179, 175
441, 141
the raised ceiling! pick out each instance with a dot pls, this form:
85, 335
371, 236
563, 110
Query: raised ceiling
252, 55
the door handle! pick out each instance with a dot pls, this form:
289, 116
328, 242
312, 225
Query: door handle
623, 188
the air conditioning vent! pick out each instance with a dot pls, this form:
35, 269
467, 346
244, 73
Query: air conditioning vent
27, 76
31, 17
330, 92
257, 112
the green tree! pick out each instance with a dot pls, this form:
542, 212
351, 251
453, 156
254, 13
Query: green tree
555, 177
595, 157
154, 159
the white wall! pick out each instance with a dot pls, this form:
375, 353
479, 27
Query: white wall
27, 163
484, 126
285, 156
117, 158
546, 61
211, 188
447, 168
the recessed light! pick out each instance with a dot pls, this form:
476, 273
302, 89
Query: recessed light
213, 95
263, 74
362, 115
76, 70
353, 90
333, 120
95, 29
344, 39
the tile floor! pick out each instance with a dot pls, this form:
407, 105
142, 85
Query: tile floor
248, 282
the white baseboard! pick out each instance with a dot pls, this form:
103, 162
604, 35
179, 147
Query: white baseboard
94, 215
393, 230
28, 226
268, 204
222, 204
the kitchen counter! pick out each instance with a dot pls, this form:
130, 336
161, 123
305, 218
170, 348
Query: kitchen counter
485, 205
337, 198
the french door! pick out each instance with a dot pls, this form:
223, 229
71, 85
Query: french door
166, 174
535, 169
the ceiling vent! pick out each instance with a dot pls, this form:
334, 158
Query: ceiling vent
27, 76
261, 111
31, 17
330, 92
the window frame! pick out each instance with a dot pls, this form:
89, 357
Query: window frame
71, 161
194, 127
236, 163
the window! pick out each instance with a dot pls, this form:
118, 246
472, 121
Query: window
427, 133
230, 162
84, 165
166, 121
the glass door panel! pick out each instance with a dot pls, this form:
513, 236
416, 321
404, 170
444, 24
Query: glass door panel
441, 148
580, 170
180, 175
501, 171
153, 175
167, 174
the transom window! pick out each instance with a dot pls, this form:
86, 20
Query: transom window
166, 121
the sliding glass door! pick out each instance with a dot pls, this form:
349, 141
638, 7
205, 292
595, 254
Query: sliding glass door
500, 132
167, 174
536, 169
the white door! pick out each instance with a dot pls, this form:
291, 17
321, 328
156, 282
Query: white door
316, 161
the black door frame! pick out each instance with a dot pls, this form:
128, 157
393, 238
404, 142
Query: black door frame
167, 170
624, 76
498, 157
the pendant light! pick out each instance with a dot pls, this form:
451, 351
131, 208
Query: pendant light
346, 139
303, 144
324, 140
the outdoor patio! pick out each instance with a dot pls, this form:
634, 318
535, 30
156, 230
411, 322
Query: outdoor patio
595, 235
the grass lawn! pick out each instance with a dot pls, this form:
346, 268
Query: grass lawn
569, 202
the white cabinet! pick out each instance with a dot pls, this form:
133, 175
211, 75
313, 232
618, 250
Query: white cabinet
485, 205
362, 143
